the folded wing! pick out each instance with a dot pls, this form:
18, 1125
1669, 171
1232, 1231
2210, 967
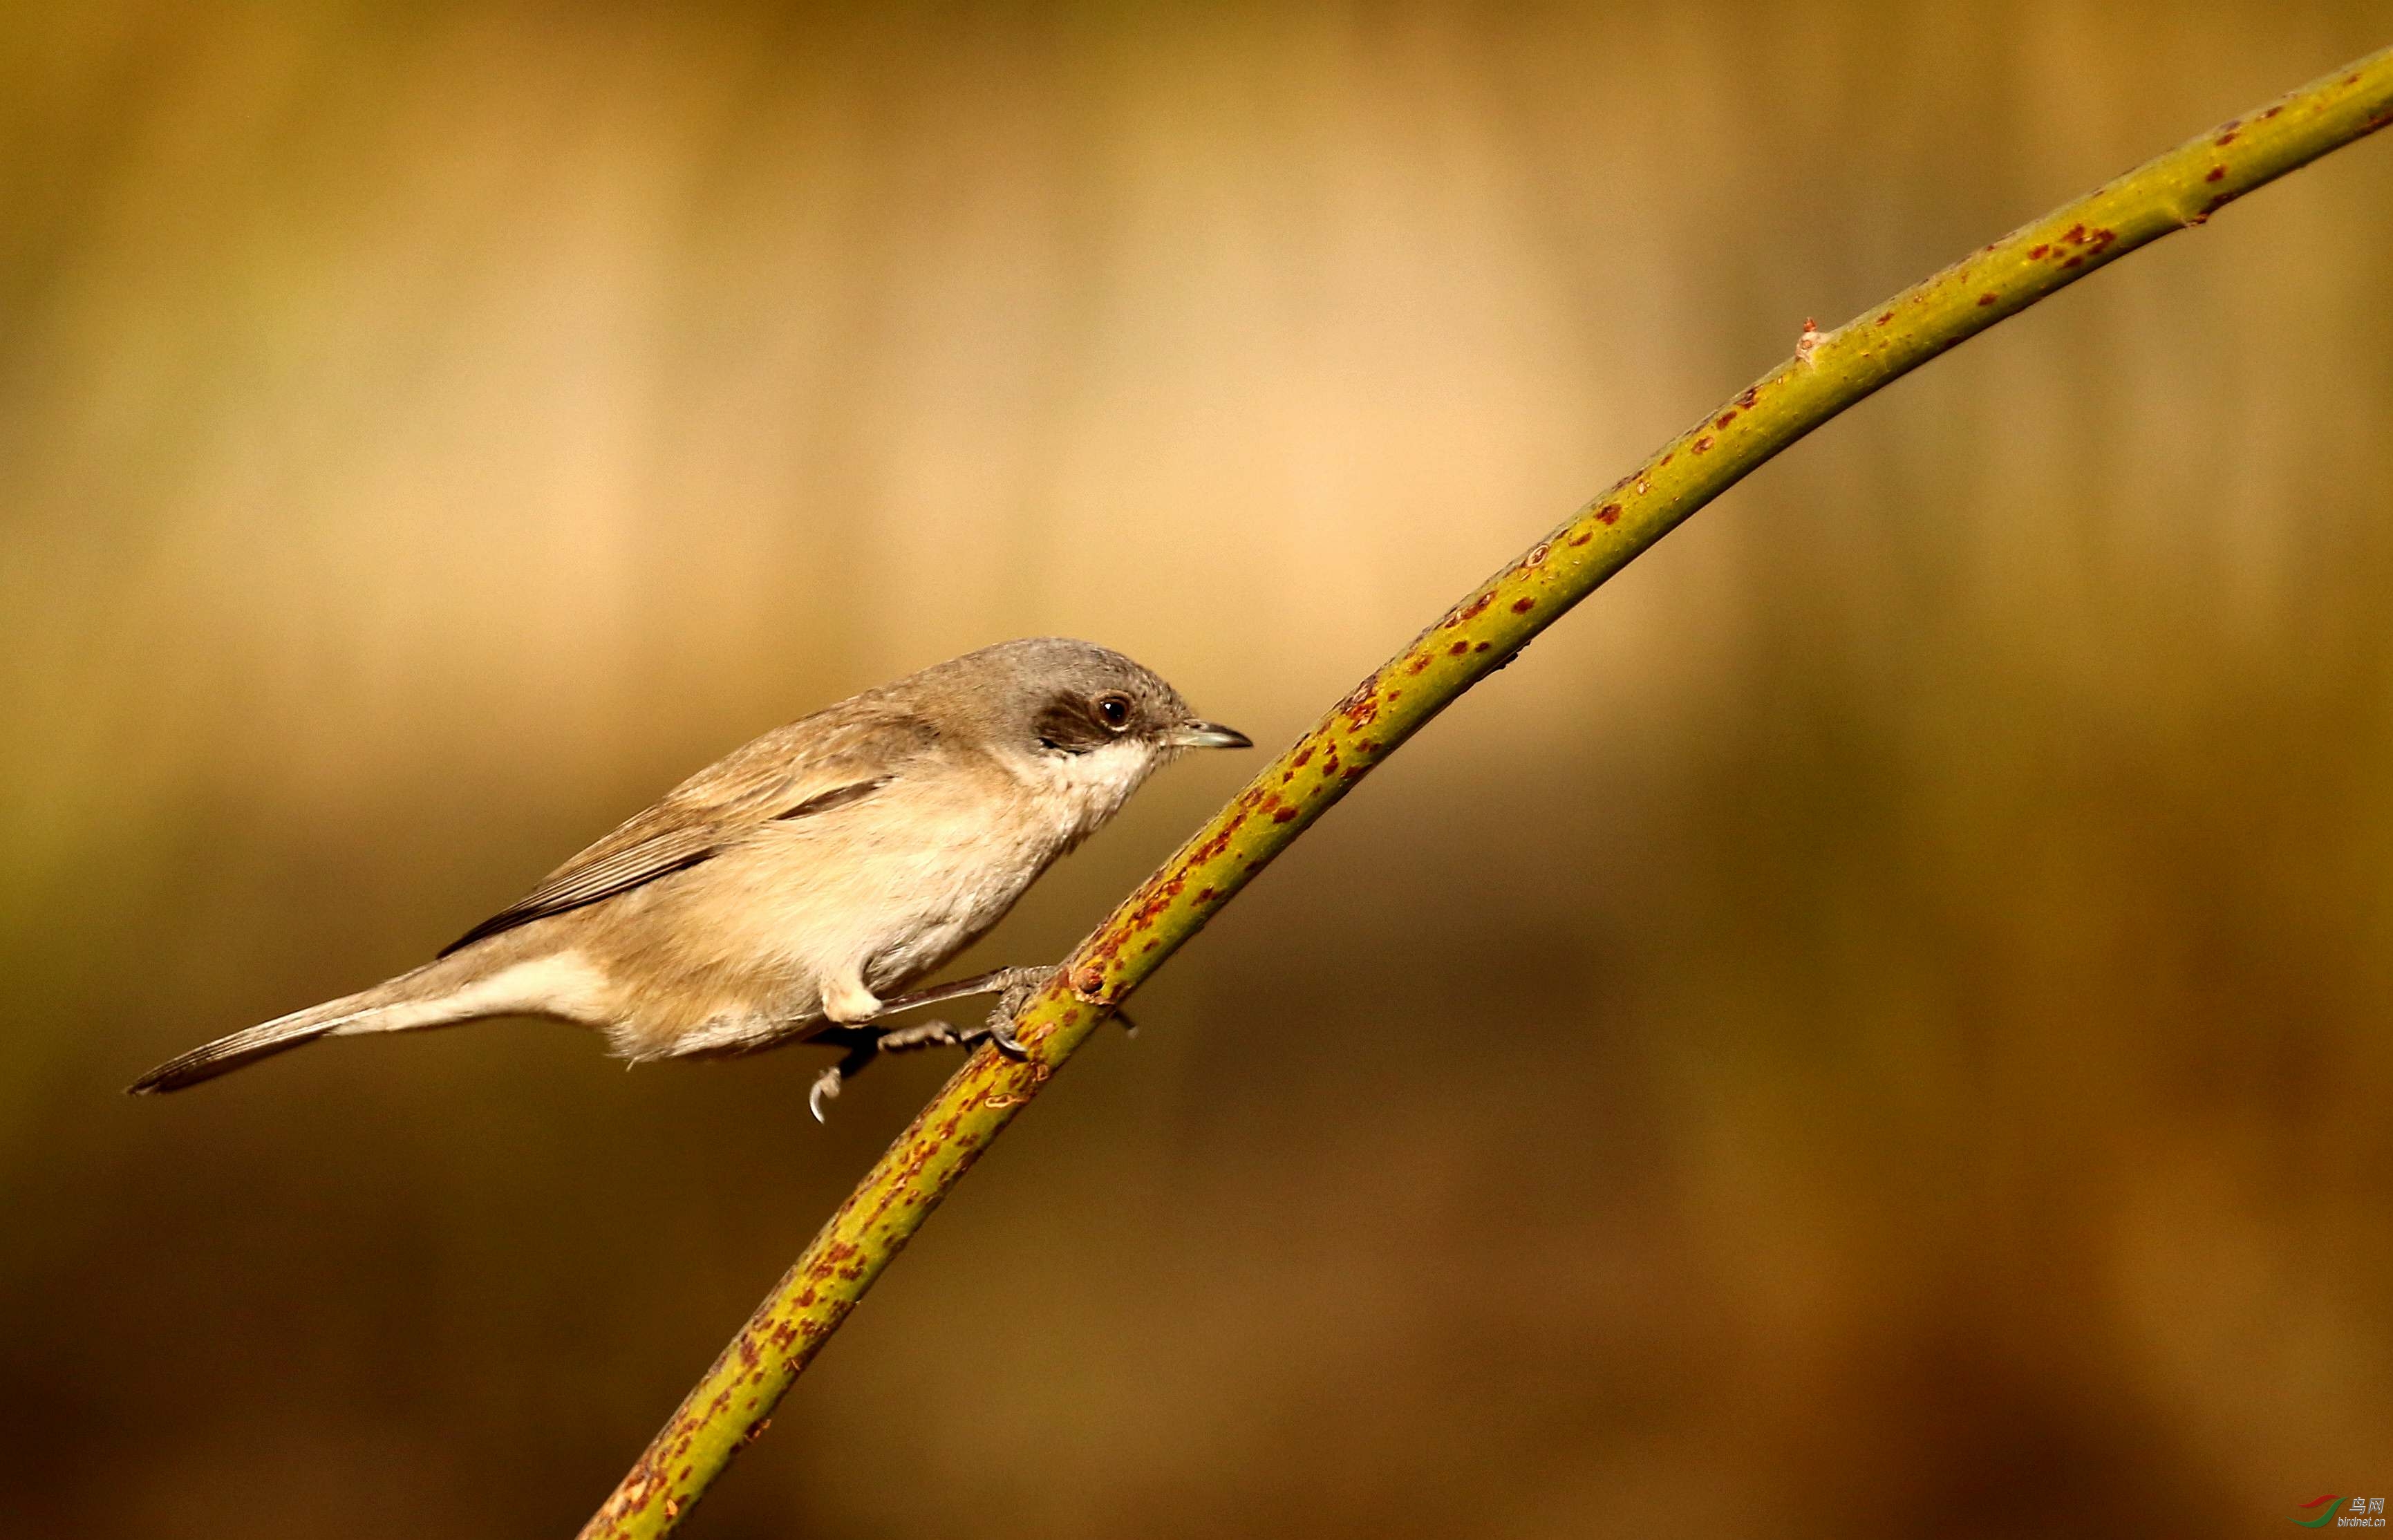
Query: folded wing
804, 770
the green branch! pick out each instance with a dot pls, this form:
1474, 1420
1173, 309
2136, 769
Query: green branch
1830, 372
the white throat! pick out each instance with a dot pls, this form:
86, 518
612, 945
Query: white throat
1077, 793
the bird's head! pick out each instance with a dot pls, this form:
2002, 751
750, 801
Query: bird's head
1076, 722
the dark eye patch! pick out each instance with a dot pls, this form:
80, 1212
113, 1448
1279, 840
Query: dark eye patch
1076, 725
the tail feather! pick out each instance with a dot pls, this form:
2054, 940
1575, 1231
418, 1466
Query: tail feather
464, 987
210, 1060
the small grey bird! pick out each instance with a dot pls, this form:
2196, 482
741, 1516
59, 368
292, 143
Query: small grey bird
779, 894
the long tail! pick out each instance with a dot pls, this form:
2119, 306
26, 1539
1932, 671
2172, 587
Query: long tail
428, 997
210, 1060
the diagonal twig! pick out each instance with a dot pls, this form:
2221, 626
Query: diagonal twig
1830, 372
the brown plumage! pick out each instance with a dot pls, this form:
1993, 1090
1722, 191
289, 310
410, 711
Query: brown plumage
790, 884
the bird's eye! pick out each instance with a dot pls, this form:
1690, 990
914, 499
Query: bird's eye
1114, 710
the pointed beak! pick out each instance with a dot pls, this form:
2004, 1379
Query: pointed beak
1208, 735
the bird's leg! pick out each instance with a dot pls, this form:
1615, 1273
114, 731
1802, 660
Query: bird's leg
1013, 987
939, 994
863, 1044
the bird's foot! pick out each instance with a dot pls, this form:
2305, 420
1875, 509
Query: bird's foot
1013, 988
930, 1034
998, 1029
862, 1044
825, 1091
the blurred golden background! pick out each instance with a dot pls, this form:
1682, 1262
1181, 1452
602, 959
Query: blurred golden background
1875, 1026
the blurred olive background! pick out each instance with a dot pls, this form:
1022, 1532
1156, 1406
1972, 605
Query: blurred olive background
1874, 1025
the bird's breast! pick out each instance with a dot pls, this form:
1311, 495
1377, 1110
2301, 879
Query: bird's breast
894, 886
